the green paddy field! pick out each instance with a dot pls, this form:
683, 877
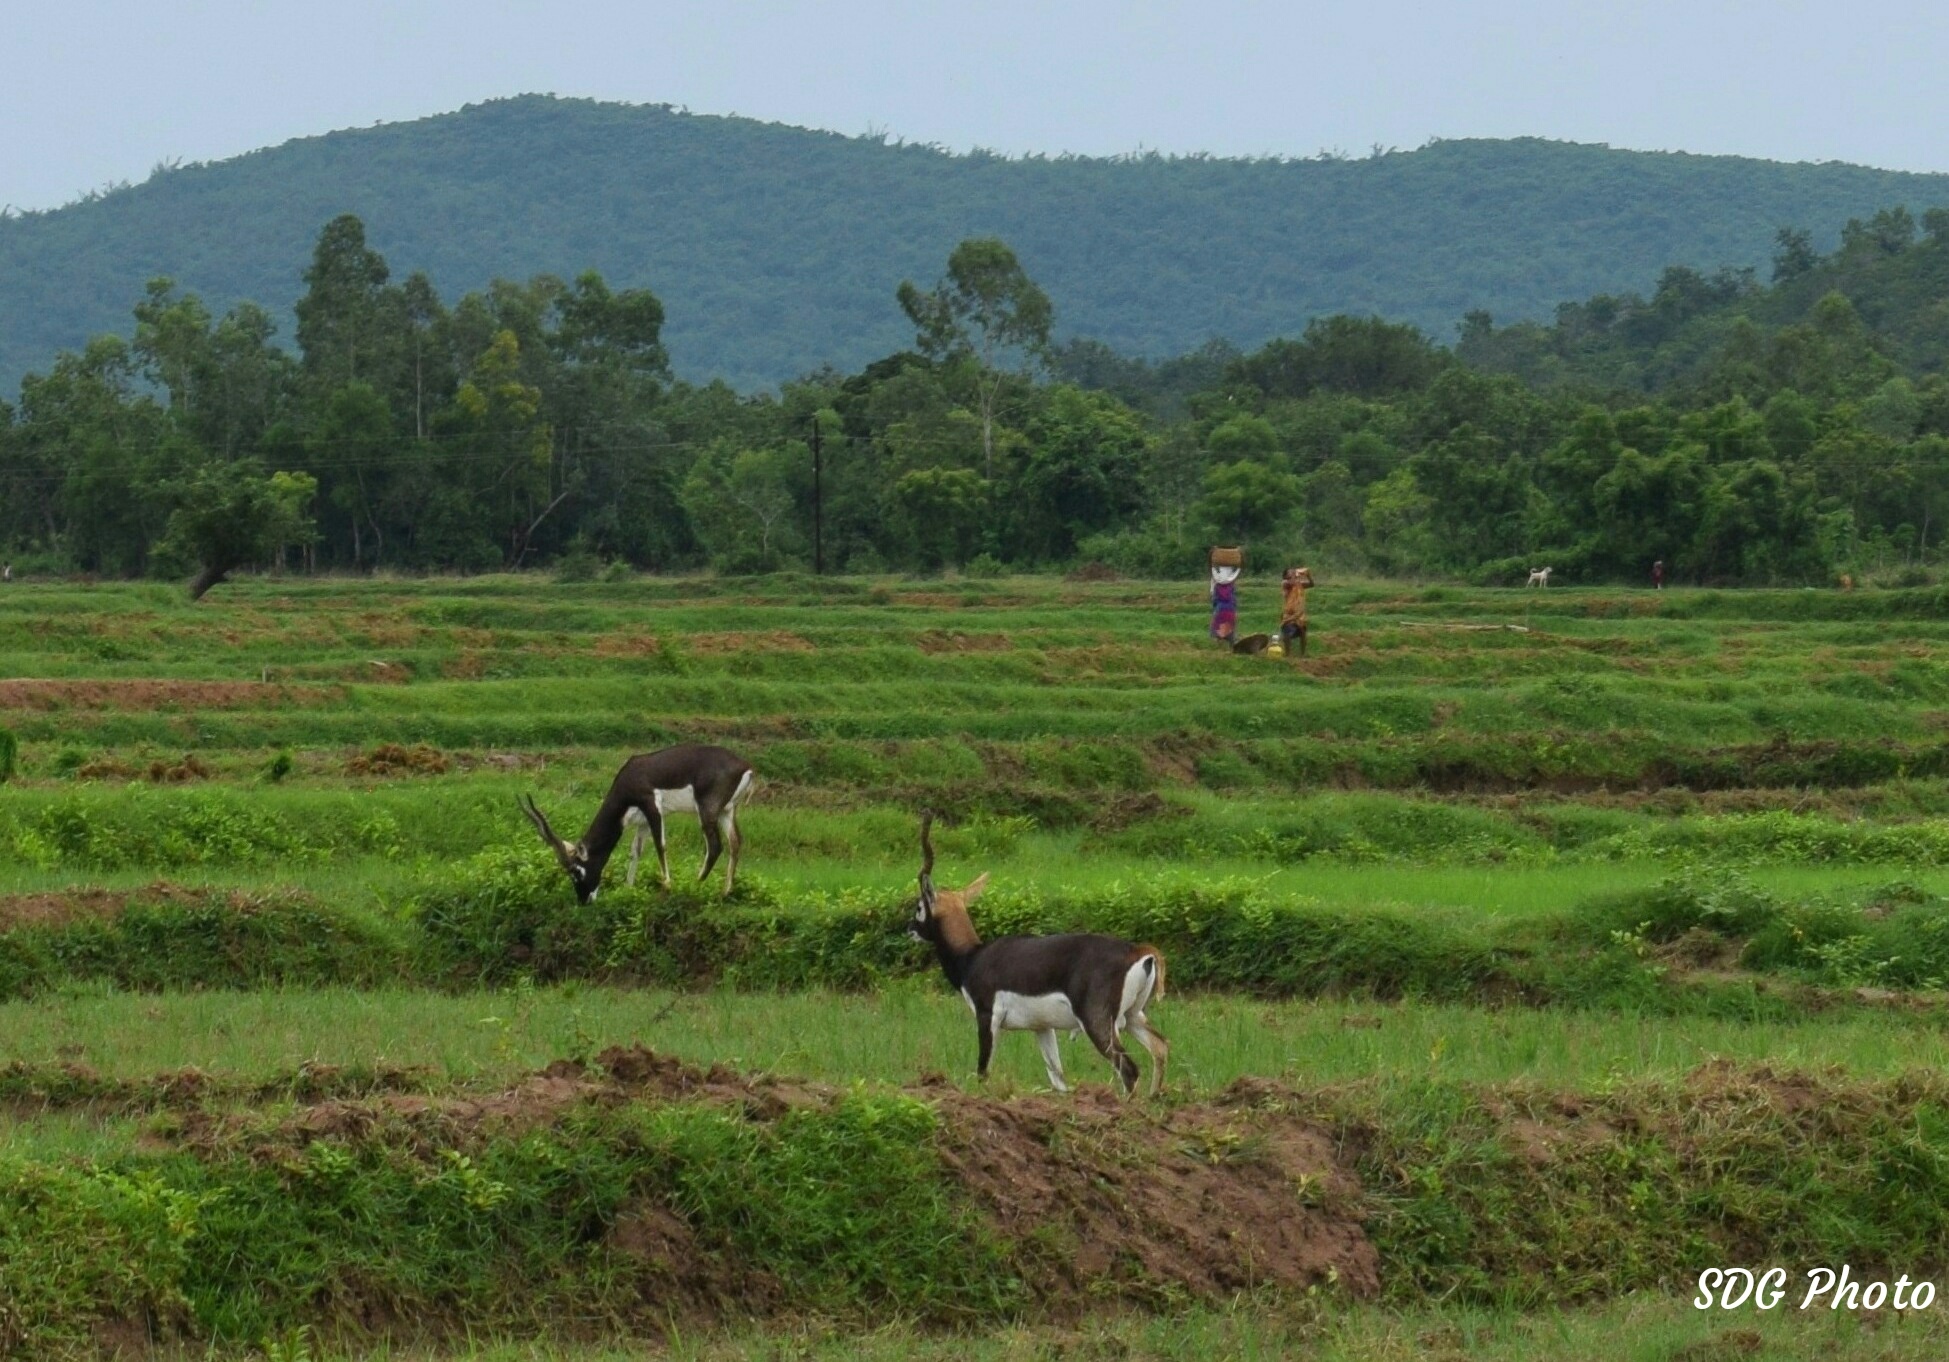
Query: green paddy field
1529, 951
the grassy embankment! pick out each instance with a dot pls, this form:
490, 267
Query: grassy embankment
1582, 860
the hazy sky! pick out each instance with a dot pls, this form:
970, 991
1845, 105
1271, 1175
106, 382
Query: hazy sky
101, 90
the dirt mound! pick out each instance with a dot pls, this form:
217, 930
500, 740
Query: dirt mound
1134, 1198
1121, 811
57, 908
393, 759
636, 1071
1208, 1200
689, 1284
748, 641
1713, 1102
628, 645
28, 1089
191, 767
156, 695
954, 641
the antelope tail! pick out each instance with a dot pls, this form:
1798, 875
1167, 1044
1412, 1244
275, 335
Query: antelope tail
1158, 956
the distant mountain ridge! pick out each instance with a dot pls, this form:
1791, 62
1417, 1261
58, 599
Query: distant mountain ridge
777, 249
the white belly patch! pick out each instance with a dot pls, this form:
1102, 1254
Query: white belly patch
1034, 1012
681, 800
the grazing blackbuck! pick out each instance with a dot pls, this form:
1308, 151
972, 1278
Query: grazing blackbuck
1098, 985
708, 781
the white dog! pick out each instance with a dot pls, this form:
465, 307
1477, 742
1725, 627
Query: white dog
1540, 576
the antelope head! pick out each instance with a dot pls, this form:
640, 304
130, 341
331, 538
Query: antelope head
941, 916
574, 859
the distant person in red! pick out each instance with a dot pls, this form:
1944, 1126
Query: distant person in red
1224, 603
1658, 575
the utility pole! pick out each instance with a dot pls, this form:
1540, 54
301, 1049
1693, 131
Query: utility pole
818, 502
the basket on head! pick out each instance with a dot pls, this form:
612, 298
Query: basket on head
1232, 558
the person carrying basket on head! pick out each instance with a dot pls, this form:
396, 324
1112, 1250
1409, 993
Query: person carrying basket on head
1226, 564
1292, 613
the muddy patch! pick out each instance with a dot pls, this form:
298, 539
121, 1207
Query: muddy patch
29, 1089
61, 907
191, 767
766, 641
58, 908
395, 759
955, 641
1148, 1199
157, 695
628, 645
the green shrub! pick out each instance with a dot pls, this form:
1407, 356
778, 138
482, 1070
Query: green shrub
1895, 937
209, 941
168, 828
1473, 1198
9, 751
845, 1210
510, 914
577, 565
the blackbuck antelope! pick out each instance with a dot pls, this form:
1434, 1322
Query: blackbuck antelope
708, 781
1094, 984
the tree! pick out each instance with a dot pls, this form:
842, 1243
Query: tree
1889, 232
1246, 498
230, 515
1245, 436
597, 326
341, 317
1362, 355
942, 512
987, 311
172, 339
1793, 254
356, 430
1394, 523
427, 369
740, 500
1079, 474
497, 425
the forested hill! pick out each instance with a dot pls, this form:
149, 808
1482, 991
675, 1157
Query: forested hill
777, 249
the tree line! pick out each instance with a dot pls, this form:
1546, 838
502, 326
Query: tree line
1741, 433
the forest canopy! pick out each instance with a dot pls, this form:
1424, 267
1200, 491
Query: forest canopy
1741, 431
771, 247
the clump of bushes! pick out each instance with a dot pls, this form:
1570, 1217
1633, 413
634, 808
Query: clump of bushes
1778, 836
842, 1208
205, 939
168, 828
510, 914
1896, 936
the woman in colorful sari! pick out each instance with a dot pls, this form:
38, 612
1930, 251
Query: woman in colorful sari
1224, 603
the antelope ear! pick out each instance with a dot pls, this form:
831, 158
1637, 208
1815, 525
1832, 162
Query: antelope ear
975, 886
579, 851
